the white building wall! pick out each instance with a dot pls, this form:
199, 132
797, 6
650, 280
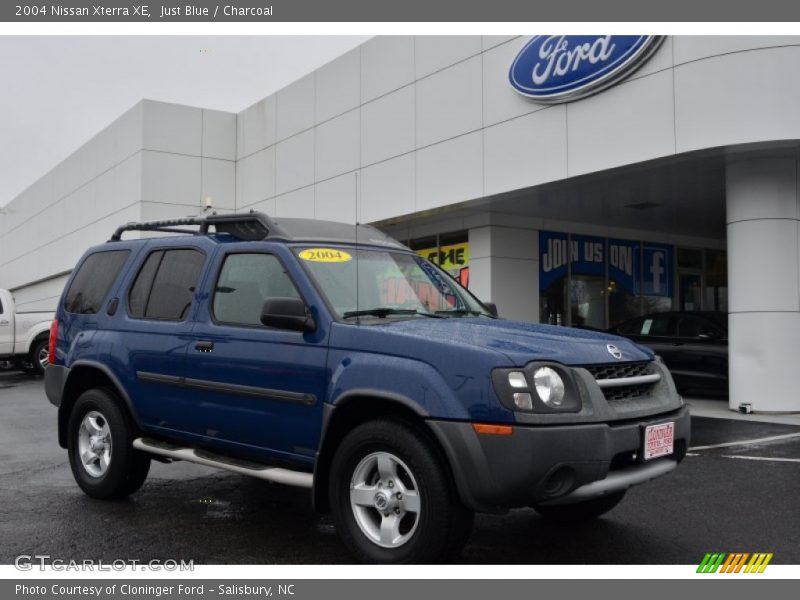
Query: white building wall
156, 161
432, 121
764, 282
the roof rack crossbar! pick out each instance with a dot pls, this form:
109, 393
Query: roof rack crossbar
250, 226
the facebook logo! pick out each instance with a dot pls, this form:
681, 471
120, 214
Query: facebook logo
657, 272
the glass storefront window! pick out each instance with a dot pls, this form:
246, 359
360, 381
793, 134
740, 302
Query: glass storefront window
690, 258
624, 258
587, 286
716, 289
587, 301
448, 250
690, 291
587, 281
553, 276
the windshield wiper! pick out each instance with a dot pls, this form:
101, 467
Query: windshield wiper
462, 312
386, 311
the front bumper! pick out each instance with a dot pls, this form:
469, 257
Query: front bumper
554, 464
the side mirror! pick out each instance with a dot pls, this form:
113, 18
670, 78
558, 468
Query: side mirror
287, 313
491, 307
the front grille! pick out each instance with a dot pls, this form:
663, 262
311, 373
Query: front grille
628, 392
623, 393
619, 371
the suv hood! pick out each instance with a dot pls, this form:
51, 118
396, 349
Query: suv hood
523, 342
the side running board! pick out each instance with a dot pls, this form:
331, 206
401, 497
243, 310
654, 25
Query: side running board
200, 457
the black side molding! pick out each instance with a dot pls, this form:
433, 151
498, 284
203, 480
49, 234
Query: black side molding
228, 388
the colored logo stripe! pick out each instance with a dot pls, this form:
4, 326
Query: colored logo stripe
734, 562
711, 562
758, 563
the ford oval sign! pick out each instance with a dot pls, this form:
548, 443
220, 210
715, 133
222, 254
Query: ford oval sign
560, 68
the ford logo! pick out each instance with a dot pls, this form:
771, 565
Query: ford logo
559, 68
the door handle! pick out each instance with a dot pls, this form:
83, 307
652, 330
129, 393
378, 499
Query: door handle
3, 322
204, 346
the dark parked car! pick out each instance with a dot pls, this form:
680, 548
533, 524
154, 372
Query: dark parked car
317, 355
694, 345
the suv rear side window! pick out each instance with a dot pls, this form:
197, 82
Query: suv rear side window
165, 285
245, 282
93, 280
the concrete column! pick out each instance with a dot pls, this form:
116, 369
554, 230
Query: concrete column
763, 218
504, 269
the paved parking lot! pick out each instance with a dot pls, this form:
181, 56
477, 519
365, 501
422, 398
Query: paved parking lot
728, 495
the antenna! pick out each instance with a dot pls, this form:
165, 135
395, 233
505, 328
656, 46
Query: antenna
355, 173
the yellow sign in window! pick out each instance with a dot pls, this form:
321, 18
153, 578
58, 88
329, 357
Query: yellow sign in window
328, 255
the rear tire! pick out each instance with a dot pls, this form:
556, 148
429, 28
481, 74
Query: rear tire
37, 357
391, 498
580, 511
100, 436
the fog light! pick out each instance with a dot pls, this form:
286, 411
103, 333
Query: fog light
516, 379
549, 386
523, 401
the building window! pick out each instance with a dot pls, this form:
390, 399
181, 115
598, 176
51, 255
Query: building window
448, 250
587, 284
623, 280
657, 277
716, 288
601, 281
553, 277
595, 282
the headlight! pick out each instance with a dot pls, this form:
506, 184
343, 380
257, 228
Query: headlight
523, 401
516, 379
539, 387
549, 386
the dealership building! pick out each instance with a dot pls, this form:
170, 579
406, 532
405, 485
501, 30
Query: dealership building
662, 179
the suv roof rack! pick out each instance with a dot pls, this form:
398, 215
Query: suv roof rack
256, 226
252, 226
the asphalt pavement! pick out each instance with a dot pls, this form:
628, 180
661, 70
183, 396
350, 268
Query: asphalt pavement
741, 496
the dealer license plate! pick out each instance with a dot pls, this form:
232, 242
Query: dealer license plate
659, 440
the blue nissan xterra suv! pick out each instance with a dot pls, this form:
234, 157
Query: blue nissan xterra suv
331, 357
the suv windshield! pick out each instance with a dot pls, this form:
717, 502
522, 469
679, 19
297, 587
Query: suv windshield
389, 284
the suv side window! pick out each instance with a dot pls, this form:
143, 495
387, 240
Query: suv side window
164, 288
93, 281
245, 282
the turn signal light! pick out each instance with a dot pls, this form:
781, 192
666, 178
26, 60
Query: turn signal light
487, 429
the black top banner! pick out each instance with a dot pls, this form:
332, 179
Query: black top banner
404, 10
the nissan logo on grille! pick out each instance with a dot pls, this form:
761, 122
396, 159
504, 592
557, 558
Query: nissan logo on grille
614, 351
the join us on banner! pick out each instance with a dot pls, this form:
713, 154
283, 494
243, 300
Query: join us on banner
636, 267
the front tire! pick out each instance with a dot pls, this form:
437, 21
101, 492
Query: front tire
392, 499
580, 511
100, 436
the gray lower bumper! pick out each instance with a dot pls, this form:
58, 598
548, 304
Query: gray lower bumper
566, 463
618, 481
